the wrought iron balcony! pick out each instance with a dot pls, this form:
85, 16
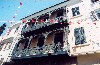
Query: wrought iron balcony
40, 51
37, 25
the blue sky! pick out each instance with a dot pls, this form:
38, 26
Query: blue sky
10, 8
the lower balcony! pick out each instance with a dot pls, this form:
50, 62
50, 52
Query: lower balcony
46, 50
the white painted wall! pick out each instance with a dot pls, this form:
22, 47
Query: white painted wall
91, 30
91, 59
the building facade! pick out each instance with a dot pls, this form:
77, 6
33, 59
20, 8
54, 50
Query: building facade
64, 34
84, 32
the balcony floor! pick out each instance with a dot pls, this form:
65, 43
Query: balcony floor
47, 60
40, 55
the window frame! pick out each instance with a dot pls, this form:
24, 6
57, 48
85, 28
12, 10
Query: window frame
75, 11
94, 15
80, 37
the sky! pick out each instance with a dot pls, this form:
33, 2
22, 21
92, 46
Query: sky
12, 10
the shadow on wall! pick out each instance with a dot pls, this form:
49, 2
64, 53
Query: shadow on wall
91, 59
50, 60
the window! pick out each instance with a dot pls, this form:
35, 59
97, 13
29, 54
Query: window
79, 36
94, 1
95, 15
75, 11
98, 13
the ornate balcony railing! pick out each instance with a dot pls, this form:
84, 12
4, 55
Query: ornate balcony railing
40, 51
43, 24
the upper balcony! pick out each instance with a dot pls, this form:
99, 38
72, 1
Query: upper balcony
44, 24
46, 20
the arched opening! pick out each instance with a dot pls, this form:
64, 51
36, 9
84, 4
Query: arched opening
22, 44
49, 39
58, 39
34, 42
40, 41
